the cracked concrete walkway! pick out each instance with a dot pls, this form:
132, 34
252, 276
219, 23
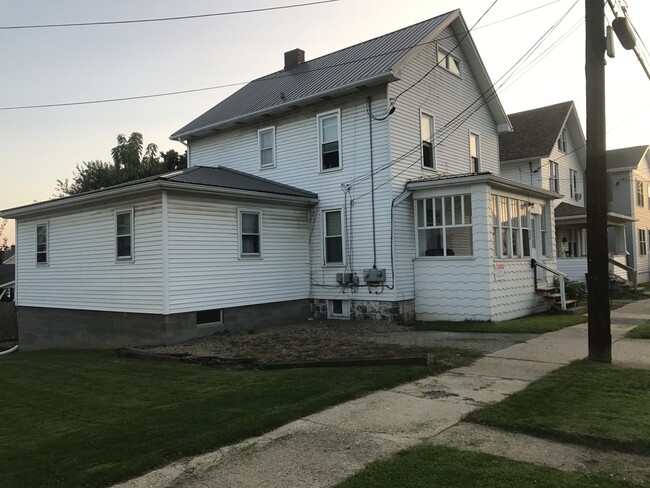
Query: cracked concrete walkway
325, 448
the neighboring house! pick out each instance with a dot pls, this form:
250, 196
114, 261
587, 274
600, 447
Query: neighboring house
7, 273
547, 149
367, 187
629, 170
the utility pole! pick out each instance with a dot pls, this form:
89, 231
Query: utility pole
600, 337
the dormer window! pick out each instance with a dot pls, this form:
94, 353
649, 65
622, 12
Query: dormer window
561, 142
449, 62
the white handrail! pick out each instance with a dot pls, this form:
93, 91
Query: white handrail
561, 277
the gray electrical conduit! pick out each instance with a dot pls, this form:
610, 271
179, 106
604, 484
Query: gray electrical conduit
9, 351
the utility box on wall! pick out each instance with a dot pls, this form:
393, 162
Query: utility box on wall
374, 275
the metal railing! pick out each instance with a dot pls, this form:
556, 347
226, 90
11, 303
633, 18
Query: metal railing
561, 277
631, 272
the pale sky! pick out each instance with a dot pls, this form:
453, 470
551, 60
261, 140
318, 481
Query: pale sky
72, 64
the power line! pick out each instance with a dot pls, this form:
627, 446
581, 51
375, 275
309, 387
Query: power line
264, 78
165, 19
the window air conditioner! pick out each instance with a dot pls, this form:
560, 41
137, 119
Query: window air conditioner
578, 196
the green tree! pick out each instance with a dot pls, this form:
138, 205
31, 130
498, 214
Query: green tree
3, 239
131, 161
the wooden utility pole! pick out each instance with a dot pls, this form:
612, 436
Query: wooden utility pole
600, 337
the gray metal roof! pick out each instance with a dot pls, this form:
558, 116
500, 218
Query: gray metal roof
535, 132
353, 66
626, 157
196, 177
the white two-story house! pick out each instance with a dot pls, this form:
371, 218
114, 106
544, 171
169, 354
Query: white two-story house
363, 184
547, 149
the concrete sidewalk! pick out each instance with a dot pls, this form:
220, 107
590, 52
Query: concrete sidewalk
325, 448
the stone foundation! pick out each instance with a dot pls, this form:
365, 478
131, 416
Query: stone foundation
52, 328
400, 312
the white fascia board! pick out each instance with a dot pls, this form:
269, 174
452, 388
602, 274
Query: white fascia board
341, 90
102, 196
491, 180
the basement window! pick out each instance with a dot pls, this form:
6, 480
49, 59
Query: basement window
338, 309
207, 317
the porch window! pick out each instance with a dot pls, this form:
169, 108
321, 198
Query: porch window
554, 177
428, 149
544, 230
444, 226
41, 244
511, 227
250, 235
333, 237
640, 198
643, 243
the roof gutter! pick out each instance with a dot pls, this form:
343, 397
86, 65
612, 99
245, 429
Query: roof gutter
107, 195
375, 80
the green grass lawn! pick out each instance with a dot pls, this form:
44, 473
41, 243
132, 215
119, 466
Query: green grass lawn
590, 403
92, 419
432, 467
532, 324
640, 332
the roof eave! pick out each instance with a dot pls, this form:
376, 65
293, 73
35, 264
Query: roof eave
374, 81
159, 185
492, 180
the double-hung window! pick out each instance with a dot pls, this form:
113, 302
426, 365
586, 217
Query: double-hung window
640, 197
474, 153
573, 183
428, 141
449, 62
643, 242
124, 235
333, 237
266, 144
250, 234
554, 176
41, 244
444, 226
329, 140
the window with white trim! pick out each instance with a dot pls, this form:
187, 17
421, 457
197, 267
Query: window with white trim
511, 227
474, 153
333, 237
554, 176
428, 141
449, 62
41, 243
640, 197
444, 226
266, 144
544, 230
250, 234
124, 235
329, 140
643, 243
573, 183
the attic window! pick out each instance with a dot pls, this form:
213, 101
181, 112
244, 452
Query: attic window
561, 142
449, 62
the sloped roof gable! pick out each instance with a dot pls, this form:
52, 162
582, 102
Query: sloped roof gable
535, 132
626, 157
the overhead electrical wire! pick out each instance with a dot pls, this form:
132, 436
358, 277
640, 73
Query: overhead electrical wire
165, 19
279, 75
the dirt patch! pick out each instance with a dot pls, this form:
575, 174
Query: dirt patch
312, 340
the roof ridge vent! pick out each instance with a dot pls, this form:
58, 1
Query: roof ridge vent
293, 58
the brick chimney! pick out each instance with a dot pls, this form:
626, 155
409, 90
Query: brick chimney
293, 58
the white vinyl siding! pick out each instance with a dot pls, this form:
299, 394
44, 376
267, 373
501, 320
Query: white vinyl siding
82, 271
205, 272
